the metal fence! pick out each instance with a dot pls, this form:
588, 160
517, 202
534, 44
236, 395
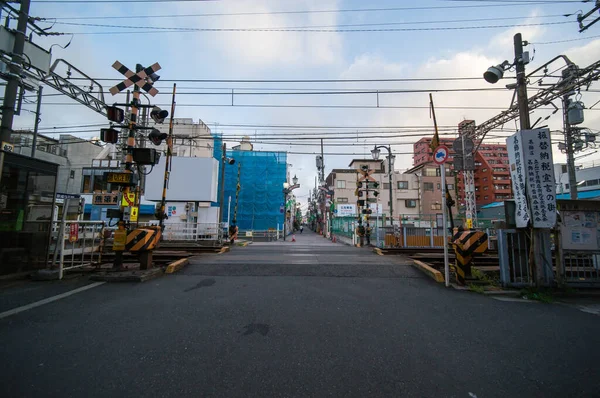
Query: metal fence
191, 232
581, 269
513, 256
75, 244
270, 235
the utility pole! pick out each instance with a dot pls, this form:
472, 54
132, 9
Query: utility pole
14, 79
37, 121
569, 148
521, 84
14, 76
222, 194
540, 237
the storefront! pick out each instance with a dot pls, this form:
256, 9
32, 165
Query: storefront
27, 207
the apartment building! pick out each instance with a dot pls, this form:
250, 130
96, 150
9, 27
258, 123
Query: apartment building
405, 190
492, 175
429, 185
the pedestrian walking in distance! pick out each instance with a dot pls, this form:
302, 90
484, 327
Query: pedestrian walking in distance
301, 228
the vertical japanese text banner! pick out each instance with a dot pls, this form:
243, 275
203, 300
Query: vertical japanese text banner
541, 190
514, 145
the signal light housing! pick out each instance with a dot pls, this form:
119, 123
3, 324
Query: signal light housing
158, 115
115, 114
110, 136
157, 137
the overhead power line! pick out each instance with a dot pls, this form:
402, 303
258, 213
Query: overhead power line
474, 108
512, 18
310, 30
251, 13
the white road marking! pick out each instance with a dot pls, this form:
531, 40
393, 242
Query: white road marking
49, 300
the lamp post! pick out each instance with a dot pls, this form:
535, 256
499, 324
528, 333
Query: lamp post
224, 159
286, 191
391, 158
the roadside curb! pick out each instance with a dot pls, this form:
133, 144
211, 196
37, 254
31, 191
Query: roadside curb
176, 266
131, 276
429, 271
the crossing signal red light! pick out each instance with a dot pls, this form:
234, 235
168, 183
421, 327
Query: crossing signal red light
110, 136
115, 114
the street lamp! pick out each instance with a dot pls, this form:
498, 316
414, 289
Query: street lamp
224, 159
375, 152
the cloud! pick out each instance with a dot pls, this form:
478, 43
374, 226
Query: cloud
256, 50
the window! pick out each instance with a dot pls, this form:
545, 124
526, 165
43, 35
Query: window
484, 179
72, 174
484, 170
428, 186
372, 200
342, 200
410, 203
341, 184
86, 186
402, 184
429, 172
566, 186
436, 206
563, 169
486, 188
486, 197
450, 186
386, 185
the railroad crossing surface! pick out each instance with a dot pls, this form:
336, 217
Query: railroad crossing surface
304, 319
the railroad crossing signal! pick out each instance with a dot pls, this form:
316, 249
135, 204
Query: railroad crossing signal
139, 79
366, 175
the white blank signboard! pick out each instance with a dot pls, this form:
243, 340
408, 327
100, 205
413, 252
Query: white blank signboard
190, 180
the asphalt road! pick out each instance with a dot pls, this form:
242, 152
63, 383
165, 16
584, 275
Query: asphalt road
324, 328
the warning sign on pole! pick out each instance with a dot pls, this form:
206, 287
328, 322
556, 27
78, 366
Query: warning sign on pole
128, 199
133, 215
74, 233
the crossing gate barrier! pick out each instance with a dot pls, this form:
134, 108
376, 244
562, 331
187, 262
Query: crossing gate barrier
466, 244
143, 239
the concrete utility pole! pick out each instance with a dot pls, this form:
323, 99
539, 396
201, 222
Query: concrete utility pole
569, 148
540, 236
14, 76
37, 121
521, 84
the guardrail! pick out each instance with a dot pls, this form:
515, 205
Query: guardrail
75, 244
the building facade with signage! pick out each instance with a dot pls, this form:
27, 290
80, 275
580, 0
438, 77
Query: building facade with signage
490, 161
428, 182
405, 190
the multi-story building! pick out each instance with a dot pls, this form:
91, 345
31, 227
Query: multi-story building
404, 188
423, 154
492, 175
190, 139
72, 154
429, 186
588, 178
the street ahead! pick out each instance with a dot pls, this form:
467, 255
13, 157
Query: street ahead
304, 319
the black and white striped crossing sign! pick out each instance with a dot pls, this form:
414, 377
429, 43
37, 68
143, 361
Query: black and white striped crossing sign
139, 79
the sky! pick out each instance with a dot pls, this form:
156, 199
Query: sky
348, 40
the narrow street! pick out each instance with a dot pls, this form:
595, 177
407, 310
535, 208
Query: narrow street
297, 319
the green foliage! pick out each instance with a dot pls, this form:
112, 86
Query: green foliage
544, 296
477, 288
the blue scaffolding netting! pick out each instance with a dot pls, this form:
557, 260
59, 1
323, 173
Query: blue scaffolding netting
262, 175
